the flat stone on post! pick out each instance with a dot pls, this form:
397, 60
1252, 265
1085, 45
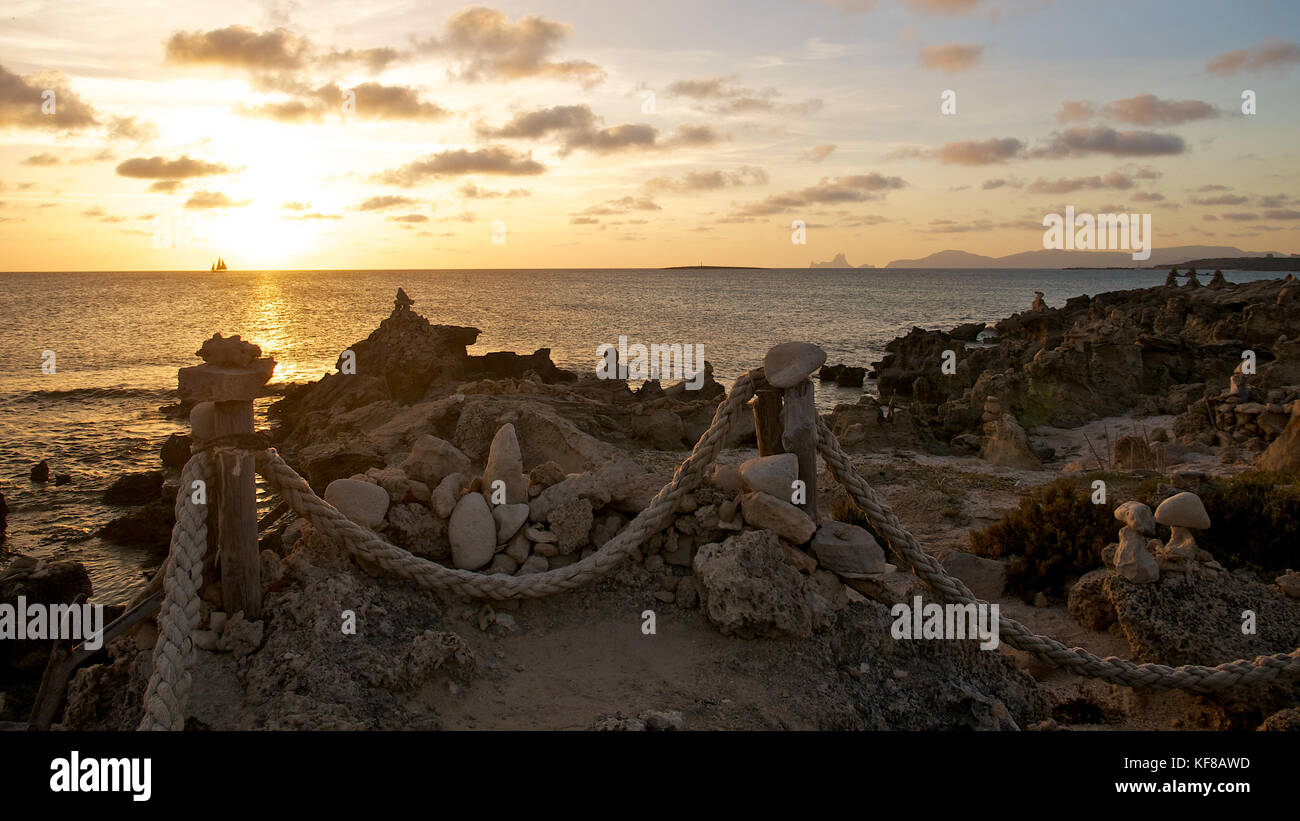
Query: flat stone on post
789, 363
215, 383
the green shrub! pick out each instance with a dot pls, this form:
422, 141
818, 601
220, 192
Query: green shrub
1055, 535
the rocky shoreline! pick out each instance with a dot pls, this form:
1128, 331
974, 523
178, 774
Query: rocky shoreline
504, 463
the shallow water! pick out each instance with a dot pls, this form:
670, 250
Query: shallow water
119, 338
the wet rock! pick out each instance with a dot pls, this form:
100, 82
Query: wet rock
472, 532
40, 472
135, 488
781, 517
176, 450
362, 502
433, 459
747, 589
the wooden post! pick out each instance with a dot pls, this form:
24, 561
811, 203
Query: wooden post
767, 421
799, 423
231, 378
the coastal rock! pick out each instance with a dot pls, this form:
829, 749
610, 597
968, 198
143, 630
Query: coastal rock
660, 428
790, 363
1007, 445
135, 488
472, 532
433, 459
1132, 559
37, 581
509, 519
1183, 510
1283, 455
779, 516
847, 550
542, 434
571, 524
362, 502
506, 465
1137, 516
40, 472
1089, 603
175, 451
747, 589
773, 475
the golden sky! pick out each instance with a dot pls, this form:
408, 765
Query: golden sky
575, 134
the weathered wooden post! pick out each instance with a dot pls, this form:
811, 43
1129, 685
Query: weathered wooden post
767, 421
788, 367
233, 374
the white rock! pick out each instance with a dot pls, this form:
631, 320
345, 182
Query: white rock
509, 519
772, 475
790, 363
1132, 559
432, 459
472, 532
446, 494
505, 464
1137, 516
847, 550
1184, 510
779, 516
362, 502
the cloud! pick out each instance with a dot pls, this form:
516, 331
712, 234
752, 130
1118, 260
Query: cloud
374, 59
720, 95
295, 206
23, 102
409, 218
1282, 214
622, 205
238, 47
980, 152
461, 161
1272, 53
1148, 109
1114, 180
829, 190
1148, 196
1221, 199
213, 199
1241, 216
470, 191
370, 101
1073, 111
714, 180
999, 182
544, 121
132, 129
953, 7
385, 202
952, 58
817, 153
157, 168
166, 186
578, 128
1079, 141
490, 47
312, 215
44, 158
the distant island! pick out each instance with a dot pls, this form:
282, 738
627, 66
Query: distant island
1268, 263
1160, 258
839, 262
712, 268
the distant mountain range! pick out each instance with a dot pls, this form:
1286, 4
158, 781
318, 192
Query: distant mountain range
1069, 259
838, 262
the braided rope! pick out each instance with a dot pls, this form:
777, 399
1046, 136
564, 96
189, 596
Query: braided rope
295, 491
1192, 677
169, 684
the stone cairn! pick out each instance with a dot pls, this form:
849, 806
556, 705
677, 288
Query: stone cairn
1142, 559
502, 519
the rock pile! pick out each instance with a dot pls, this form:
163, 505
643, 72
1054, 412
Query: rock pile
846, 376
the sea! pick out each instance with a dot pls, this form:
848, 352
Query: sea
88, 358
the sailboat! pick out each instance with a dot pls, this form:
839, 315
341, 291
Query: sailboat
219, 265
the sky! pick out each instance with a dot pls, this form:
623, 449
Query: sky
300, 134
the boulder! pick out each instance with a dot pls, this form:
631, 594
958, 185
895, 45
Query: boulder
727, 478
509, 519
40, 472
446, 494
135, 488
1088, 602
571, 524
773, 475
660, 428
986, 578
1183, 510
472, 532
1007, 445
747, 589
1132, 559
176, 450
790, 363
1137, 516
505, 465
1283, 455
362, 502
847, 550
782, 518
433, 459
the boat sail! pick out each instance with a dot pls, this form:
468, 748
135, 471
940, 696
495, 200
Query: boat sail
219, 265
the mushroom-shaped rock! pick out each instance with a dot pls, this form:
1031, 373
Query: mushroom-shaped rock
362, 502
1133, 560
847, 550
1137, 516
506, 465
774, 475
472, 532
1183, 510
790, 363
